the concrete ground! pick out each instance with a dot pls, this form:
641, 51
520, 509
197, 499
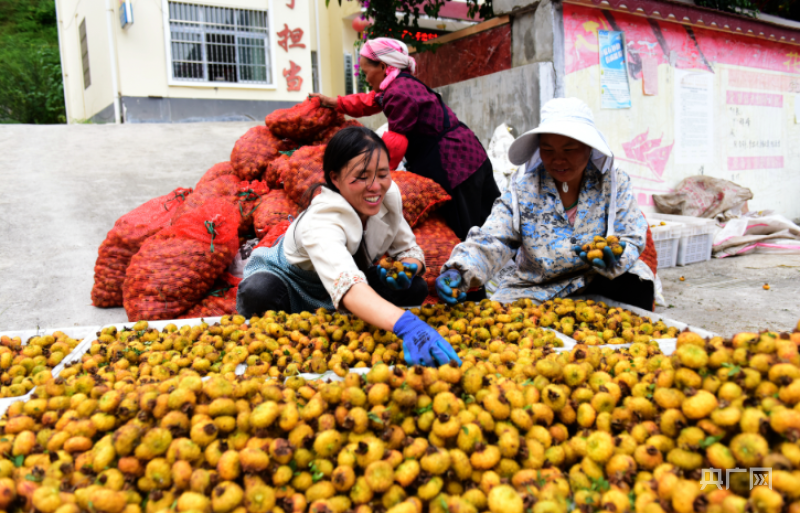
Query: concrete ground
727, 295
62, 188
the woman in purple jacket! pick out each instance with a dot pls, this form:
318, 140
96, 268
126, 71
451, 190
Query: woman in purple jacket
424, 131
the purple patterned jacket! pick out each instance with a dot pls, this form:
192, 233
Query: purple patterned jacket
410, 107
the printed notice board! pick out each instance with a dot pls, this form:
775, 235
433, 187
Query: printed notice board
615, 92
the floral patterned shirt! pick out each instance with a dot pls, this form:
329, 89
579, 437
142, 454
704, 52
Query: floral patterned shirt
539, 238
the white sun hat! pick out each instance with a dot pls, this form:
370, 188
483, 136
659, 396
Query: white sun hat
569, 117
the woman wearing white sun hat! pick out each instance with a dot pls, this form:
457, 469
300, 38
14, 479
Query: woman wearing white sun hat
567, 190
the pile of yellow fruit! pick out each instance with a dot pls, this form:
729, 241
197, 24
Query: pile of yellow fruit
281, 345
596, 323
24, 366
518, 428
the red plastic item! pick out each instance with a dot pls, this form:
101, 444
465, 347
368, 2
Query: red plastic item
303, 170
221, 299
124, 240
254, 150
303, 121
175, 268
275, 207
421, 195
217, 170
397, 144
437, 241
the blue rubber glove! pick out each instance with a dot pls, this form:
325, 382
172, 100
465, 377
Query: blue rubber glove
422, 345
445, 283
608, 260
402, 282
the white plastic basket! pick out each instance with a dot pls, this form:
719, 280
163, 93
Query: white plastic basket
697, 237
666, 238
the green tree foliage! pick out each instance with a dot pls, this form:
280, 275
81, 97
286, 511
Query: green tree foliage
789, 9
745, 7
31, 88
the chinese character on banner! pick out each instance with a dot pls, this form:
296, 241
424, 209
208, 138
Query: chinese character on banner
290, 5
295, 35
293, 81
711, 476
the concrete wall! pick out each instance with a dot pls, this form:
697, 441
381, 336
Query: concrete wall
512, 96
85, 102
192, 110
336, 38
754, 132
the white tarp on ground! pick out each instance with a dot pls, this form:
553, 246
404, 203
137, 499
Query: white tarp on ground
757, 233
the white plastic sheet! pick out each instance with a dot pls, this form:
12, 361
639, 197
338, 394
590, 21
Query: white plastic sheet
498, 155
763, 233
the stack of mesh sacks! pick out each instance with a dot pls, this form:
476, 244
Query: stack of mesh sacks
142, 263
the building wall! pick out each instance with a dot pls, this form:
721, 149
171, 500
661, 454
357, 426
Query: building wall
336, 38
147, 93
142, 57
754, 85
85, 103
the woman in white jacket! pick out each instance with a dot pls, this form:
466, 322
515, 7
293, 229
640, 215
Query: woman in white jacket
326, 259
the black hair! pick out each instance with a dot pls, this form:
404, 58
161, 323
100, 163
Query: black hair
346, 145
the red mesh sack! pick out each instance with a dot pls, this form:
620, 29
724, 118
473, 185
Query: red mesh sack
273, 234
248, 199
254, 150
272, 176
221, 299
225, 187
303, 121
326, 135
125, 239
303, 170
217, 170
437, 241
421, 195
175, 268
274, 208
242, 194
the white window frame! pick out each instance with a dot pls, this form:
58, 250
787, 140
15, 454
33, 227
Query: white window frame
171, 81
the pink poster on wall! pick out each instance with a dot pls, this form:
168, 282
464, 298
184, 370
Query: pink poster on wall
681, 45
738, 128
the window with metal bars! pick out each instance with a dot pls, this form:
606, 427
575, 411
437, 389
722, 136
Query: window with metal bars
87, 76
315, 71
218, 44
348, 74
